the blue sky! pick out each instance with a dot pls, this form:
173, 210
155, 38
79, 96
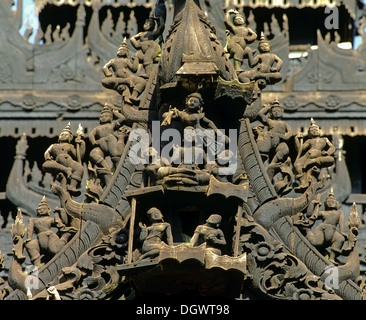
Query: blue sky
28, 14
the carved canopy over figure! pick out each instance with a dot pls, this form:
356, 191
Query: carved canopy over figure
315, 152
123, 80
236, 45
47, 241
210, 234
64, 158
105, 143
153, 235
148, 49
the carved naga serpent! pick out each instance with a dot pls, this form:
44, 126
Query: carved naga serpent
275, 209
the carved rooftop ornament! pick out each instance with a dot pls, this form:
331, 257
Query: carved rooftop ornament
193, 182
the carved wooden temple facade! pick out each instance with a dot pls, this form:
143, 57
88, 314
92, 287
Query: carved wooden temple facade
183, 147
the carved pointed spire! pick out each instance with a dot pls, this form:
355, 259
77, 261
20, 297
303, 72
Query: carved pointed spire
354, 219
80, 130
18, 229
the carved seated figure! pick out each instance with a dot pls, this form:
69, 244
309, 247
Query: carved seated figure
148, 49
192, 159
122, 80
325, 234
315, 152
154, 235
47, 241
210, 234
61, 158
192, 115
236, 45
264, 63
105, 143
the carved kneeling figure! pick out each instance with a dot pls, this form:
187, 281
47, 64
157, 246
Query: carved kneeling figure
211, 234
154, 235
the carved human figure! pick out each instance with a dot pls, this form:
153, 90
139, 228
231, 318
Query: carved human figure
195, 164
63, 157
47, 241
192, 115
236, 45
263, 139
122, 79
192, 161
326, 234
315, 152
279, 132
105, 143
271, 115
210, 234
267, 65
148, 49
155, 234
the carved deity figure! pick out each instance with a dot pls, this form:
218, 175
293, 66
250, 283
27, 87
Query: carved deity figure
122, 79
267, 65
193, 157
210, 234
47, 241
63, 157
148, 49
275, 139
192, 115
105, 142
236, 45
278, 131
155, 234
315, 152
326, 234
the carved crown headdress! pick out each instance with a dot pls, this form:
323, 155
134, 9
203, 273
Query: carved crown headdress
44, 203
263, 39
68, 130
106, 109
312, 123
331, 195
